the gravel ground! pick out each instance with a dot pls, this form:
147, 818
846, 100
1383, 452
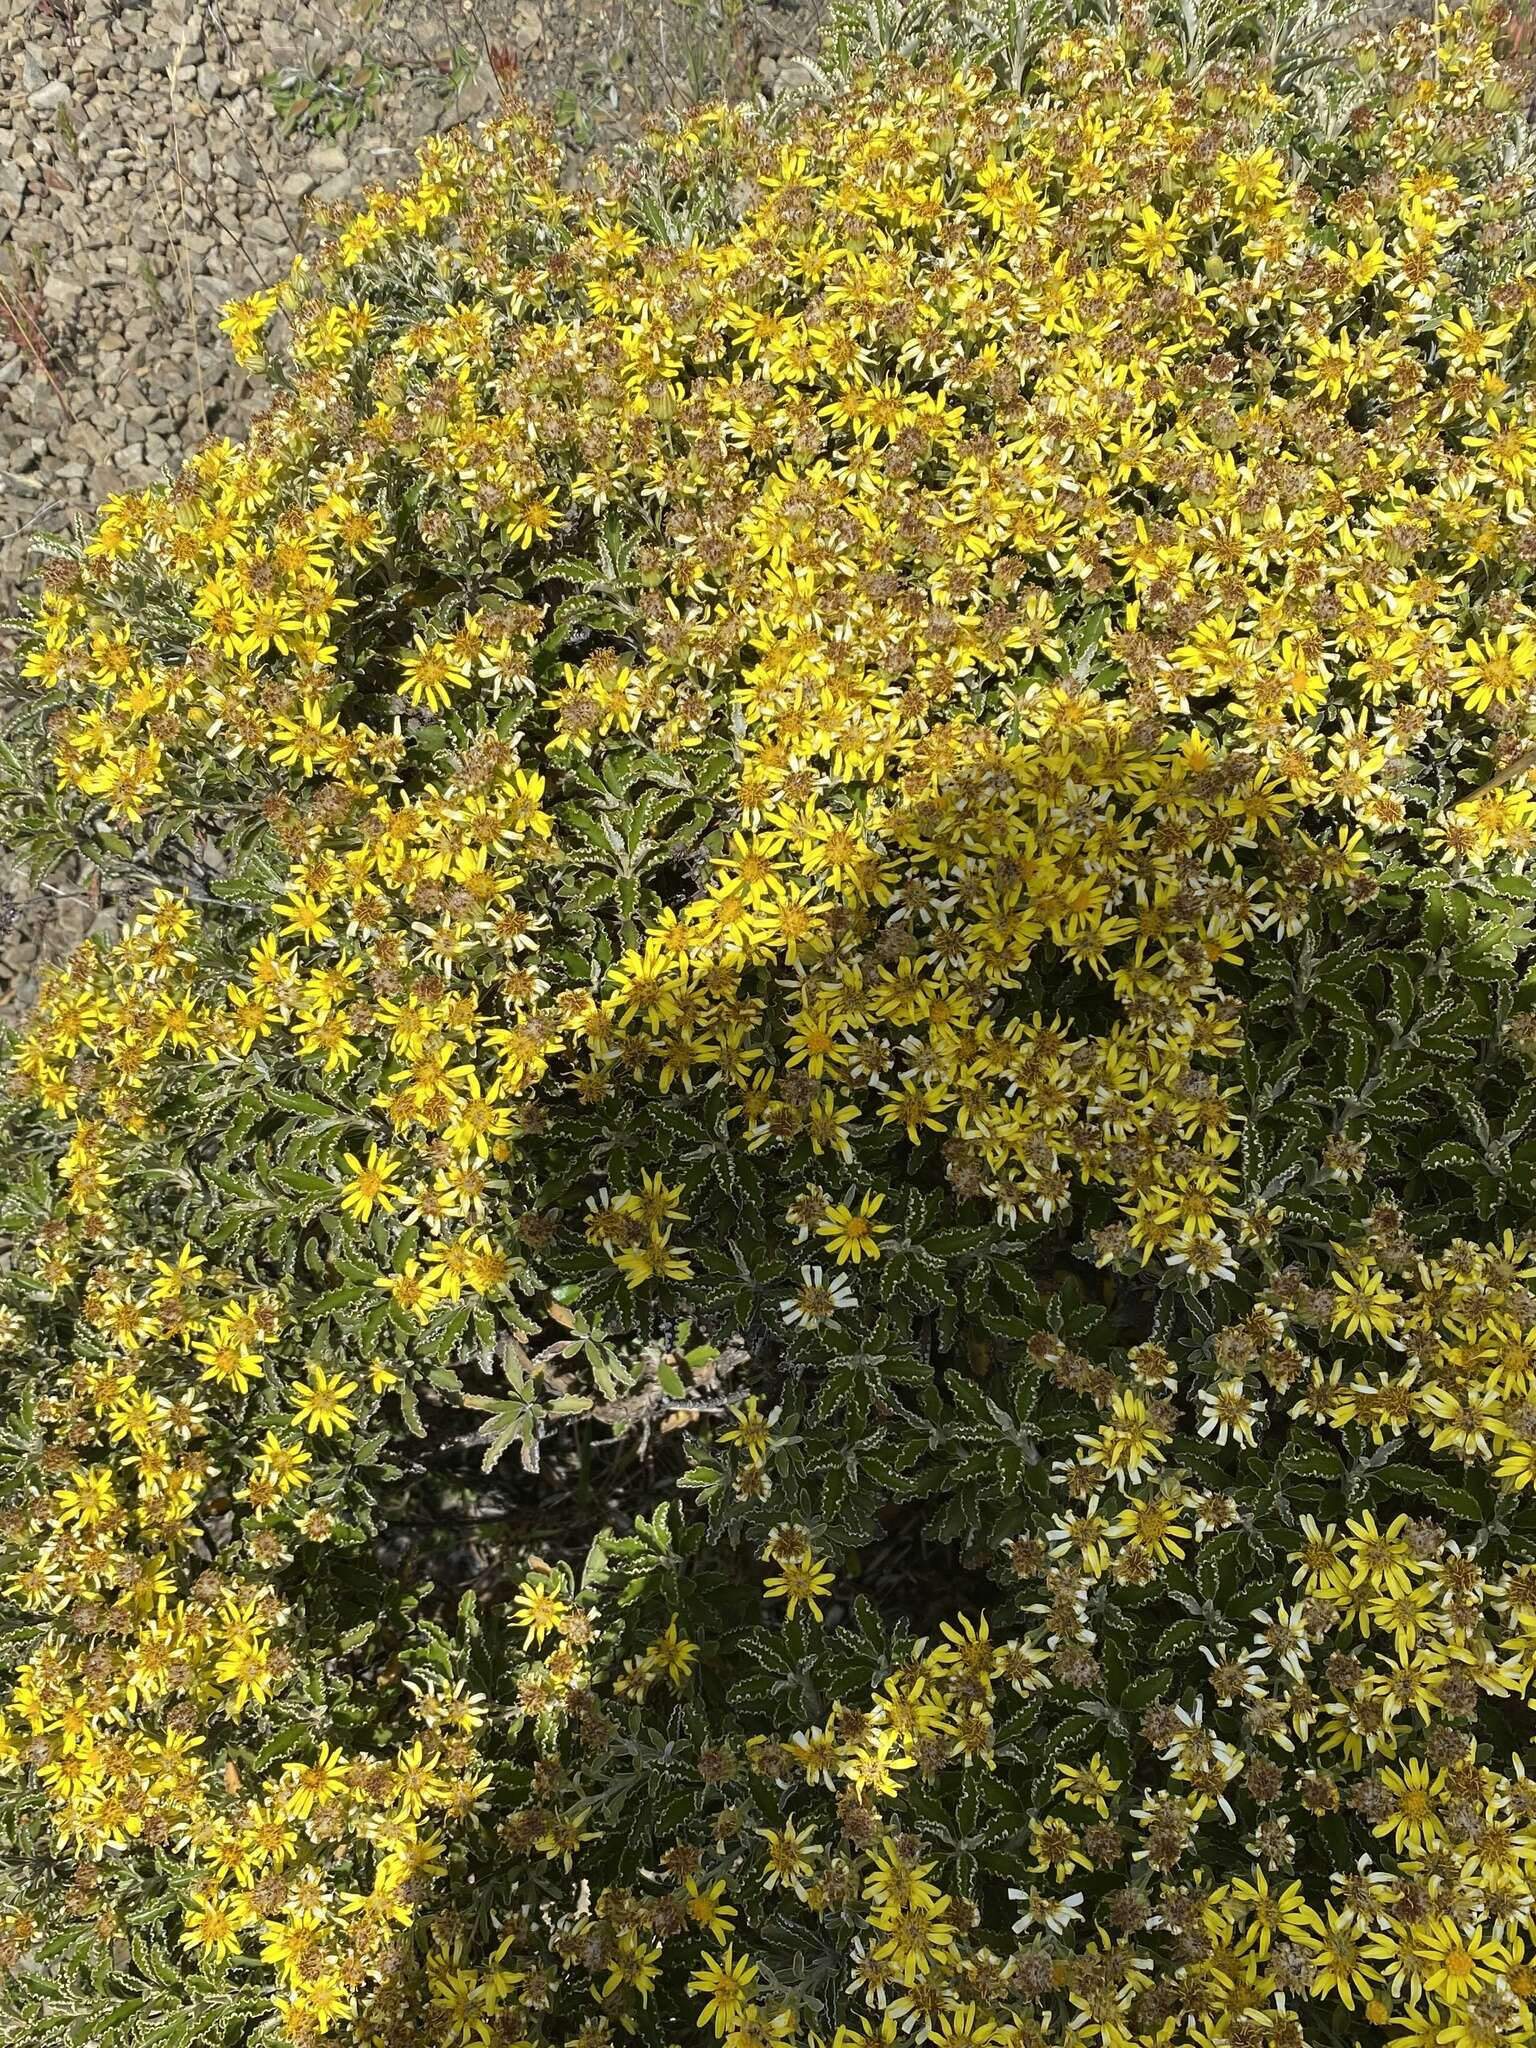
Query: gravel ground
158, 159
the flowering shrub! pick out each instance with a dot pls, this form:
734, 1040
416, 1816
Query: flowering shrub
785, 1287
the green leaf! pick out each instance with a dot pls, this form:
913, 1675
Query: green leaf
1442, 1493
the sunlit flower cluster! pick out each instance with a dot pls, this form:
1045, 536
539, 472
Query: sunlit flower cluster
1089, 564
707, 757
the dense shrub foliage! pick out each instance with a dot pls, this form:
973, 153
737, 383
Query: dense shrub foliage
785, 1288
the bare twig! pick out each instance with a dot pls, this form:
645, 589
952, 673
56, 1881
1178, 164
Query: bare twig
27, 331
181, 246
39, 518
183, 269
1523, 764
257, 268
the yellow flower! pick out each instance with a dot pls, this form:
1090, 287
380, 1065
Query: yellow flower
656, 1259
228, 1361
245, 1665
790, 1858
706, 1907
538, 1609
566, 1834
322, 1403
1364, 1305
375, 1183
671, 1654
1089, 1784
1497, 670
723, 1981
1339, 1969
429, 675
1458, 1962
305, 917
411, 1290
800, 1581
852, 1234
213, 1922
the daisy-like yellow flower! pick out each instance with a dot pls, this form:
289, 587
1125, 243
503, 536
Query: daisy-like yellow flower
213, 1923
321, 1403
429, 675
374, 1183
801, 1581
852, 1235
